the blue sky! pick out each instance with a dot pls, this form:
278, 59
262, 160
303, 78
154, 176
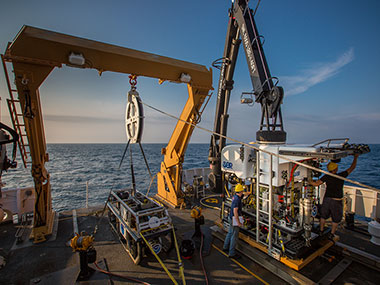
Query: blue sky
325, 53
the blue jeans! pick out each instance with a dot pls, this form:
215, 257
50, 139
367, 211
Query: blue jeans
231, 238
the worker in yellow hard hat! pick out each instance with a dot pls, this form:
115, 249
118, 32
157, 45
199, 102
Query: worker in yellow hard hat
235, 220
333, 200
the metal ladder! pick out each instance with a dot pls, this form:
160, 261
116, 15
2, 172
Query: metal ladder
16, 116
199, 187
264, 216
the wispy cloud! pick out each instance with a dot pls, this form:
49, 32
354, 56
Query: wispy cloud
323, 119
317, 74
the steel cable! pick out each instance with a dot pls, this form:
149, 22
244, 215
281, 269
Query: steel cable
261, 150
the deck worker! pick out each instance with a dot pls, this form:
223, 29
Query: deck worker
333, 201
235, 221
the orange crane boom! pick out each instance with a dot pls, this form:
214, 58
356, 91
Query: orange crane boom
35, 52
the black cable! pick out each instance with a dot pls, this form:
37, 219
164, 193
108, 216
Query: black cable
38, 214
146, 162
201, 257
28, 113
109, 194
257, 6
122, 157
217, 63
120, 276
132, 173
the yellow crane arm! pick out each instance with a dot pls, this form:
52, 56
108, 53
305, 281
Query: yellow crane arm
43, 47
170, 175
35, 52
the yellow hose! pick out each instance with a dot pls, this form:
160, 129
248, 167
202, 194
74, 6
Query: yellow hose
225, 187
159, 260
181, 268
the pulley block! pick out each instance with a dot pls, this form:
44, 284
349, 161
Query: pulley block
275, 100
134, 117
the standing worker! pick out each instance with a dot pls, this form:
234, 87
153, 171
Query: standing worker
333, 201
235, 220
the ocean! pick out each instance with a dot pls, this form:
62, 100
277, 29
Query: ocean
71, 166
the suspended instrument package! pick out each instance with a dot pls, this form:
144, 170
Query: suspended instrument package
133, 215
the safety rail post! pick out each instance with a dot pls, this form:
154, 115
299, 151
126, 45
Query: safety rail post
266, 203
270, 202
257, 195
86, 194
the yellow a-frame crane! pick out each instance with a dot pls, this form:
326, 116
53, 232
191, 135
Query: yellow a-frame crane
35, 52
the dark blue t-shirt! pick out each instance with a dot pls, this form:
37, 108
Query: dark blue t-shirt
236, 203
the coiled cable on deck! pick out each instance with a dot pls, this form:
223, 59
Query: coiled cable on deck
208, 206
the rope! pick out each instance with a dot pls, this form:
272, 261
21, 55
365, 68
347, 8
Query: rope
262, 150
150, 184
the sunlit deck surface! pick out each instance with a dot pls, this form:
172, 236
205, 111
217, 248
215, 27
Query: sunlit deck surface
53, 262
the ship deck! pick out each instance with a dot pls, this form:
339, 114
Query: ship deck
353, 259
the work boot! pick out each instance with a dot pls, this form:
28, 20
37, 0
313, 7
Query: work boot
236, 256
331, 237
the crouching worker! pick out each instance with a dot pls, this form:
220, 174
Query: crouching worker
235, 221
333, 200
